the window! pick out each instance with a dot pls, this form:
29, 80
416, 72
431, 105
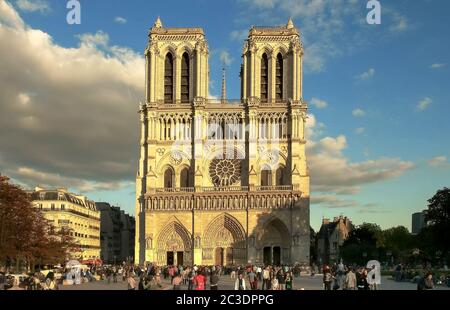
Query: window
184, 177
168, 78
185, 78
266, 178
169, 178
279, 176
279, 78
63, 207
40, 206
52, 206
264, 78
282, 176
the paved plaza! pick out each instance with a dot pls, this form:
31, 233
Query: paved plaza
225, 283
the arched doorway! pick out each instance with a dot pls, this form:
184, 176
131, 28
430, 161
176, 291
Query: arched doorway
224, 242
273, 243
174, 245
219, 259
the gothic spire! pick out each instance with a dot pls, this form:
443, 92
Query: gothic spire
158, 23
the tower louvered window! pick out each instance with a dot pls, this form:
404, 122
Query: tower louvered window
264, 78
279, 78
168, 78
185, 78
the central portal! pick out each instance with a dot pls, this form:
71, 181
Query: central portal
219, 257
170, 258
180, 258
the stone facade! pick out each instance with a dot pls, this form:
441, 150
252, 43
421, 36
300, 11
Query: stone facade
223, 181
330, 237
67, 210
116, 235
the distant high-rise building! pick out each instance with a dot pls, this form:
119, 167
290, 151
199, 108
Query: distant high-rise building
116, 235
418, 222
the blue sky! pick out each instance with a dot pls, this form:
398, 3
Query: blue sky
379, 94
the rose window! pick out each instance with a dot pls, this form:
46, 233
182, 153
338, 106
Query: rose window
225, 172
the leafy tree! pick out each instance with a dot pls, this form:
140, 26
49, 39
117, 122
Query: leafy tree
361, 244
438, 219
398, 241
26, 237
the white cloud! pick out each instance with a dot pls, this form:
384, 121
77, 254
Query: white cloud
366, 75
239, 35
329, 29
120, 20
437, 66
358, 113
225, 58
68, 116
319, 104
400, 23
331, 171
424, 104
438, 161
332, 201
360, 130
33, 6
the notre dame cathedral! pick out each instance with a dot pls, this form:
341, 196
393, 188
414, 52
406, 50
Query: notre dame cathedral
223, 182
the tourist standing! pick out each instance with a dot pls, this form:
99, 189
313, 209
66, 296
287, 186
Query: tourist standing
327, 278
350, 280
214, 281
239, 285
289, 281
131, 282
200, 281
266, 279
177, 280
191, 276
252, 279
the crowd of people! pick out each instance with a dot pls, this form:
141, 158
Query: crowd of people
203, 277
252, 277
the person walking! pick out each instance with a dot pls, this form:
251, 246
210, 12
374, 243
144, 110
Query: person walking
177, 280
200, 281
191, 276
350, 280
233, 274
131, 282
266, 279
115, 275
252, 279
289, 282
239, 285
281, 280
327, 278
214, 281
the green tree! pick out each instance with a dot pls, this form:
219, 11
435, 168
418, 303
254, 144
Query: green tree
26, 237
438, 219
362, 244
397, 241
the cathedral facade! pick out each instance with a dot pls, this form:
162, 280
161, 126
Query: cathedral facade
223, 182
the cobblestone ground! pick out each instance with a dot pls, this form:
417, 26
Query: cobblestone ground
225, 283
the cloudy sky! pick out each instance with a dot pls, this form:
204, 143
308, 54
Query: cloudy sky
379, 95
